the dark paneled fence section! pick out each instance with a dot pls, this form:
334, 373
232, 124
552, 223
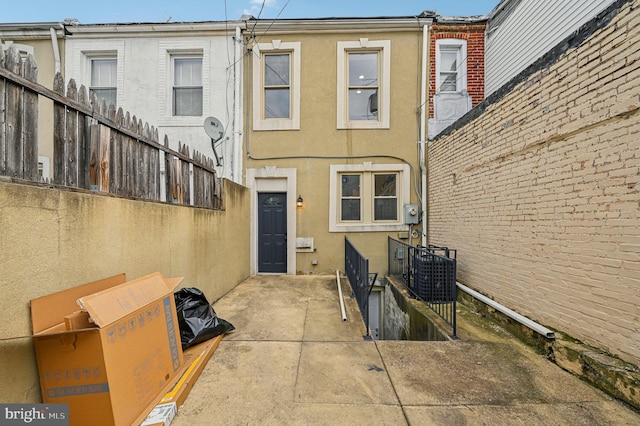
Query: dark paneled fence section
96, 147
429, 274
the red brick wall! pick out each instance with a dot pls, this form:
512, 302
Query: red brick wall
474, 34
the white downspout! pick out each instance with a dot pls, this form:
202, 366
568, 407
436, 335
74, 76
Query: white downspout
56, 50
424, 108
236, 172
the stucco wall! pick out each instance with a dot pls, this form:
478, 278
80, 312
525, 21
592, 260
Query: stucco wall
54, 239
319, 136
540, 195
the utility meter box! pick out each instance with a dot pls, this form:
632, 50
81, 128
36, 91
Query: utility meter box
411, 214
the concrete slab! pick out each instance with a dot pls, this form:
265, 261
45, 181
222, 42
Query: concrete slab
292, 360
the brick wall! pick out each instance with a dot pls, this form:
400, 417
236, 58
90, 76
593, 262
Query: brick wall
540, 191
474, 34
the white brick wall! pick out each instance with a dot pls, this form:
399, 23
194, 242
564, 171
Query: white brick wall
541, 193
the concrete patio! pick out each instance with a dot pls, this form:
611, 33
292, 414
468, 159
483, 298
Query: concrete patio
292, 360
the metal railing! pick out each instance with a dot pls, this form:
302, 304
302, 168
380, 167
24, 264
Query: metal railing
356, 268
428, 276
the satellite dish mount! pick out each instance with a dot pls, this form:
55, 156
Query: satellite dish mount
214, 128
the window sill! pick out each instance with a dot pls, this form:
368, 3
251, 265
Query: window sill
360, 227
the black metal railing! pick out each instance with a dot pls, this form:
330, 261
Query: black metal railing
356, 267
429, 274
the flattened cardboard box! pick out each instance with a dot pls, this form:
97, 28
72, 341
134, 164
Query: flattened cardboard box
110, 359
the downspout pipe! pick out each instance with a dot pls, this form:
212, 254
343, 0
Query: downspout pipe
508, 312
56, 50
424, 107
236, 171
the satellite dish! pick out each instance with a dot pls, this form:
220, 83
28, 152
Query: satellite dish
214, 128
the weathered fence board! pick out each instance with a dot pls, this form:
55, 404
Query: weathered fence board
96, 147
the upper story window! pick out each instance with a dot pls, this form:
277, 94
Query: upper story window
276, 86
363, 84
104, 79
451, 65
367, 197
187, 86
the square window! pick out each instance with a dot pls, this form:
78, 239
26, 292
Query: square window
187, 86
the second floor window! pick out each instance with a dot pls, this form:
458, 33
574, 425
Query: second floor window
187, 86
103, 79
363, 86
277, 86
451, 67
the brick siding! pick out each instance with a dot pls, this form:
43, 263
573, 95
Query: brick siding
474, 34
540, 192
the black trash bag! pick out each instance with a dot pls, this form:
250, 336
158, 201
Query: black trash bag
196, 318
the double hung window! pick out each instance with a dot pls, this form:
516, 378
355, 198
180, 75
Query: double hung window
187, 86
104, 79
276, 86
363, 84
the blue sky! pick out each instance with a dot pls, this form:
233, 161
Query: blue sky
118, 11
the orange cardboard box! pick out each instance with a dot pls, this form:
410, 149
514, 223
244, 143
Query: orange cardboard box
109, 348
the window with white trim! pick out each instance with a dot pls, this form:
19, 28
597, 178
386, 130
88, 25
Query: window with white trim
276, 86
104, 79
187, 85
451, 65
367, 197
363, 84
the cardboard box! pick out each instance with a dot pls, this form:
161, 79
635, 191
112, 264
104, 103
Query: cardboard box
109, 348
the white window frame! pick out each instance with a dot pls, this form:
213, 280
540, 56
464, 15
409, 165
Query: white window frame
98, 57
460, 46
276, 47
367, 170
100, 50
174, 57
364, 45
188, 47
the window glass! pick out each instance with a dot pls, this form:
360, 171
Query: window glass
350, 200
363, 86
385, 197
187, 89
277, 89
103, 79
449, 68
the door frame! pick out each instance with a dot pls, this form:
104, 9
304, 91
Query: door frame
273, 179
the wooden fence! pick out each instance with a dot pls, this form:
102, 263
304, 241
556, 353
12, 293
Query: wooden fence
96, 147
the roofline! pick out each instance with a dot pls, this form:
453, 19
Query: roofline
157, 29
30, 30
374, 24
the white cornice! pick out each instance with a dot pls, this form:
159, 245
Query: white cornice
192, 29
337, 25
30, 31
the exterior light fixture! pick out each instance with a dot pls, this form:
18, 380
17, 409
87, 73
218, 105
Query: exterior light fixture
299, 201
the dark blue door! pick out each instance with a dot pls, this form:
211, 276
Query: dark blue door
272, 232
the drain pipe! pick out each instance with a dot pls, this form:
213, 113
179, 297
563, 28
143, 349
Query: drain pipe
56, 51
423, 125
508, 312
342, 311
